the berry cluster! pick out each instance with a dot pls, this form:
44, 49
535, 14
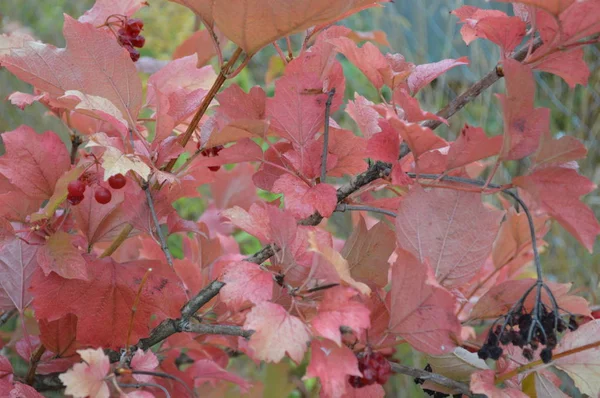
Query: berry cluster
529, 333
212, 152
374, 367
129, 37
76, 189
434, 394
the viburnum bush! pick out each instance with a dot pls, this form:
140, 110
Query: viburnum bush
104, 309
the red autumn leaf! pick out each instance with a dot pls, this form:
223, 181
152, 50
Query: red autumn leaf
101, 303
411, 108
271, 344
238, 116
570, 65
366, 117
144, 361
553, 6
507, 32
108, 74
583, 366
245, 283
339, 308
419, 139
554, 152
102, 9
500, 299
59, 336
249, 24
424, 74
176, 91
348, 151
33, 163
483, 382
204, 370
471, 145
244, 150
302, 200
385, 145
332, 364
421, 311
18, 262
523, 124
88, 378
390, 70
452, 229
368, 251
557, 191
61, 256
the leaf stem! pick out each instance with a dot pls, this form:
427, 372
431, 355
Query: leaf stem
33, 363
118, 241
159, 233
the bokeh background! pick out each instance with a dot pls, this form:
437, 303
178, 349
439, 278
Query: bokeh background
422, 31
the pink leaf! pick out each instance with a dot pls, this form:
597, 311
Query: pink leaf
419, 139
205, 370
366, 117
384, 145
272, 343
145, 361
424, 74
557, 190
411, 108
483, 382
102, 9
523, 124
349, 152
245, 283
302, 200
471, 145
61, 256
422, 312
499, 299
332, 364
87, 378
339, 308
450, 228
34, 162
583, 366
22, 100
553, 152
199, 43
108, 74
323, 197
569, 65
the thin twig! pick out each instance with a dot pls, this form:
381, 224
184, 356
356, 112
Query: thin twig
6, 315
326, 135
33, 363
434, 377
342, 207
228, 330
159, 233
142, 385
75, 142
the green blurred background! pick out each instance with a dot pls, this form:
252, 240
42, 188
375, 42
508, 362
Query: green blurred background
421, 31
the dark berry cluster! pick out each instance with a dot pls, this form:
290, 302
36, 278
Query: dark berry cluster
76, 189
434, 394
212, 152
528, 331
374, 367
129, 37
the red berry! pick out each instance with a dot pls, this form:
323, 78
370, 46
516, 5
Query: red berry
102, 195
124, 40
134, 26
214, 168
138, 41
74, 199
117, 181
76, 188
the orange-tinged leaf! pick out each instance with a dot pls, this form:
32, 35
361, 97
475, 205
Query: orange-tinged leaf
450, 228
471, 145
339, 308
341, 265
108, 74
583, 366
252, 24
59, 336
552, 6
557, 190
421, 311
554, 152
276, 333
419, 139
367, 252
61, 256
199, 43
332, 364
500, 299
570, 65
60, 193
